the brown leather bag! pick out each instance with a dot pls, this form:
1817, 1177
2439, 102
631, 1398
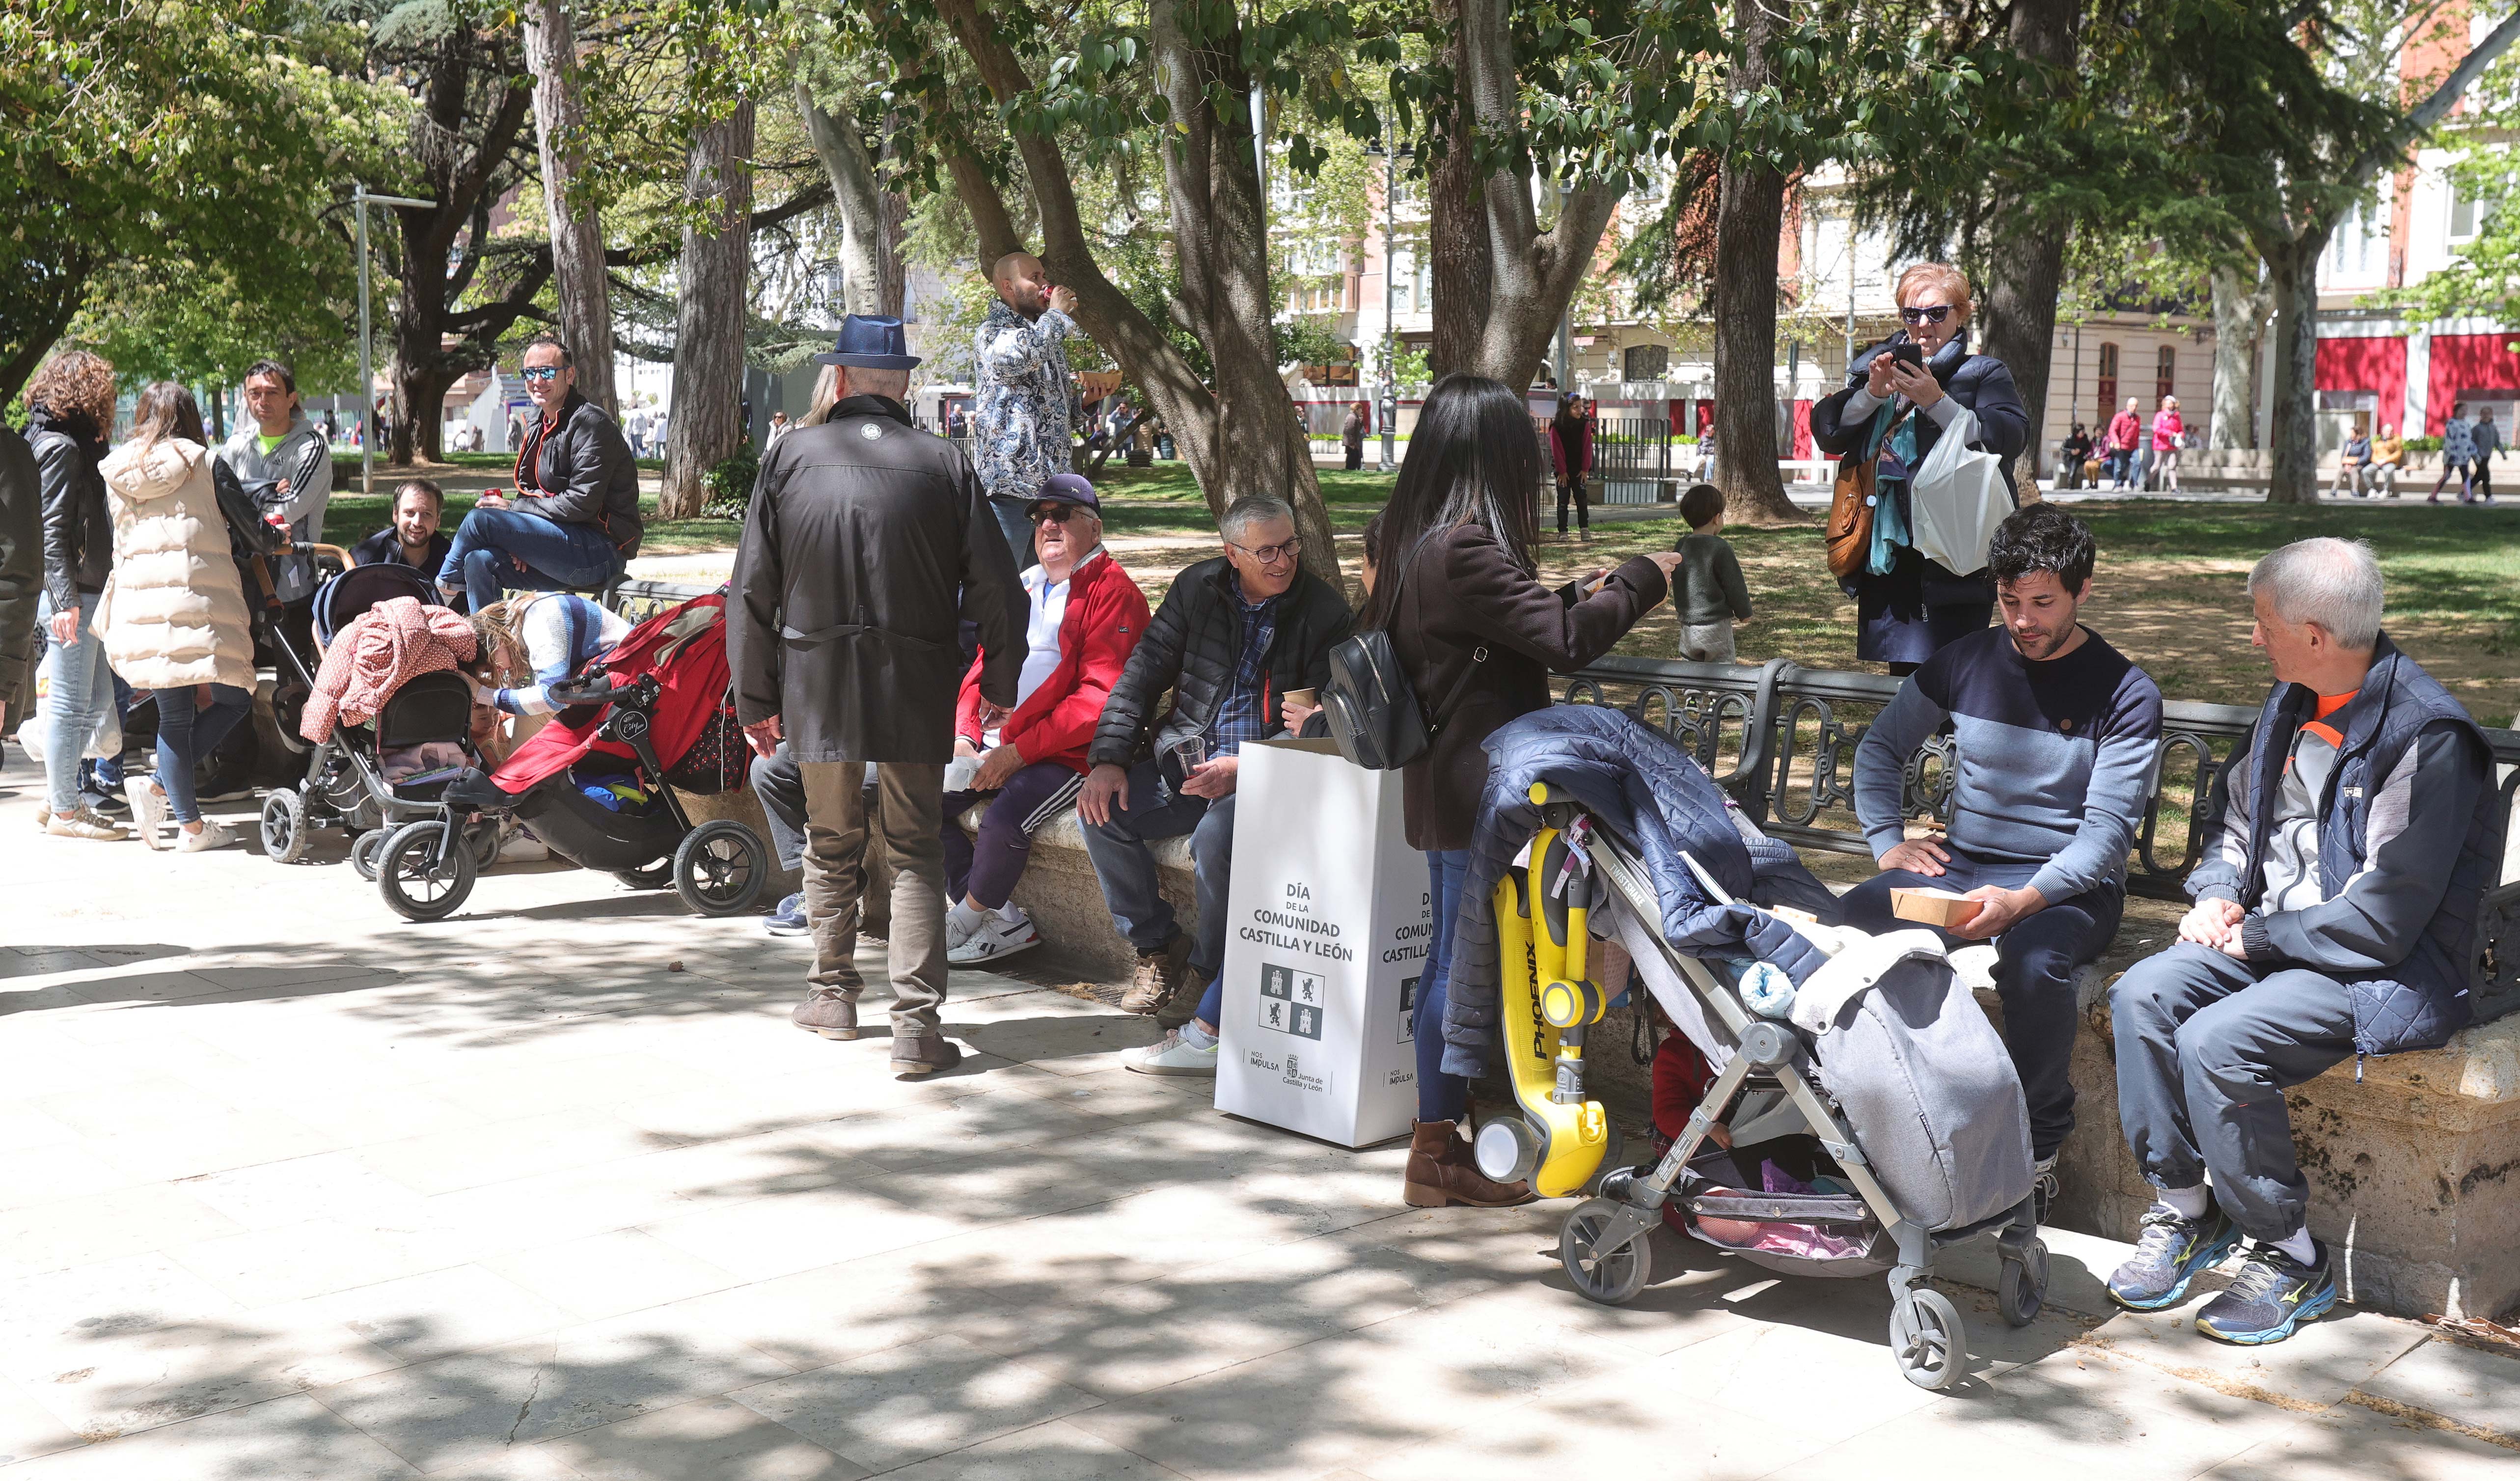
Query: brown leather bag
1850, 516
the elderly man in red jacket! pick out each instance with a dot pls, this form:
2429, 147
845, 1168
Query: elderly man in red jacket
1084, 614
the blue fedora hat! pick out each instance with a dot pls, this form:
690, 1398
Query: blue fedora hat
869, 342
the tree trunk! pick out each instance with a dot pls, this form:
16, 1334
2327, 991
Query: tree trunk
2292, 277
416, 376
2239, 327
2027, 257
576, 237
871, 270
707, 422
1750, 210
1458, 264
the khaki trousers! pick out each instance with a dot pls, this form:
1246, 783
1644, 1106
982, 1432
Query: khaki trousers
911, 813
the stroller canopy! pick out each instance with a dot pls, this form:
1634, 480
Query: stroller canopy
685, 648
347, 596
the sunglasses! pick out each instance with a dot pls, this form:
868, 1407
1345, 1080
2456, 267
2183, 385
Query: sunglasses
1270, 555
1056, 514
1932, 313
540, 373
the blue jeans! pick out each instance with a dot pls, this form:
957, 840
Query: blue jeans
1440, 1097
499, 549
104, 773
1126, 868
187, 734
81, 686
2121, 466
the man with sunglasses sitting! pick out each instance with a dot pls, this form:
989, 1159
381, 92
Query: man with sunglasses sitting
572, 520
1084, 614
1233, 635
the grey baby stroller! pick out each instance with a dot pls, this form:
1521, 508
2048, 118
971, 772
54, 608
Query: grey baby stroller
1872, 1094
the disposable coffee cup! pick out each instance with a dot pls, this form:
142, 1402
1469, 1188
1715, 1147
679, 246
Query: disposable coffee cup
1308, 698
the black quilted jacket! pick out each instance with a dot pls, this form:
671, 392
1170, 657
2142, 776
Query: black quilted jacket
1190, 648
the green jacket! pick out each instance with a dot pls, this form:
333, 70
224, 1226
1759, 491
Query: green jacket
1708, 586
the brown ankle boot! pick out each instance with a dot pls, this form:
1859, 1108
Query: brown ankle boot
1440, 1172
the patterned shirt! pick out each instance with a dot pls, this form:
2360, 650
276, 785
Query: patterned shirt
1243, 715
1020, 416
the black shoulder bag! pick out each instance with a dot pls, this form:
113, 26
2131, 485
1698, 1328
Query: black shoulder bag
1372, 707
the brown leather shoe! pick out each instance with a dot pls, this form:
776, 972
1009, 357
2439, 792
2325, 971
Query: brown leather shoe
1184, 1004
923, 1054
1441, 1174
1159, 976
826, 1013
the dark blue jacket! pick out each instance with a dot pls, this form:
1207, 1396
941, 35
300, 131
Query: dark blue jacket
1979, 383
1638, 782
2398, 921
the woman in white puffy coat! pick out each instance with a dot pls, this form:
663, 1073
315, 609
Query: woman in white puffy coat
173, 615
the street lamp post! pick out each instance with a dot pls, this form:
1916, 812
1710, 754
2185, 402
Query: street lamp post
366, 374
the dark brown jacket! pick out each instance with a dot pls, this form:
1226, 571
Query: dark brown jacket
866, 544
1463, 593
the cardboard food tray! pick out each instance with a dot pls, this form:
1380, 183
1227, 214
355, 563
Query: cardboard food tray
1933, 907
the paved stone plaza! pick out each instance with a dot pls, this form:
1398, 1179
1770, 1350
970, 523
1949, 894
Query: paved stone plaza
292, 1189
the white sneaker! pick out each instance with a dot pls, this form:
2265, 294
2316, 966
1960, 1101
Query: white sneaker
995, 937
957, 933
80, 822
211, 836
1173, 1056
148, 810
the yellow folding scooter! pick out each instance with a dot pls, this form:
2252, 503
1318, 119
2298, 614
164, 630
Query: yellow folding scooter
1562, 1142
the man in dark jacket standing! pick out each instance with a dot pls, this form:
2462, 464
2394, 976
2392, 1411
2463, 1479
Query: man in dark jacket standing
841, 636
573, 523
22, 569
1233, 635
2336, 910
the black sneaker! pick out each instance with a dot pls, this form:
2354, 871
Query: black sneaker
2168, 1255
2274, 1294
109, 805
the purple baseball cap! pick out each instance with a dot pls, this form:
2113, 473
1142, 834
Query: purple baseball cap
1067, 489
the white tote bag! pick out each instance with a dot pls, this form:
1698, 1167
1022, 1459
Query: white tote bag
1958, 498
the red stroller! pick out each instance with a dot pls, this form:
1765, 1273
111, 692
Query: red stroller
597, 784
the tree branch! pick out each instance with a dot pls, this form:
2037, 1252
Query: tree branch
2433, 110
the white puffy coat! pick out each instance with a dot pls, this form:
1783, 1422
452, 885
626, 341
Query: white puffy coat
174, 612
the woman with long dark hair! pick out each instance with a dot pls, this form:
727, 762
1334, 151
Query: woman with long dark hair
1478, 636
173, 614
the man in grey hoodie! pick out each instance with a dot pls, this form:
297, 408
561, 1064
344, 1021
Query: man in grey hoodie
283, 450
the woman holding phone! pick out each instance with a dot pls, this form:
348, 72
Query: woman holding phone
1899, 395
1478, 634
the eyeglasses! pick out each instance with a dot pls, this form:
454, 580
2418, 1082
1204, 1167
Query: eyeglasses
540, 373
1056, 514
1931, 313
1270, 555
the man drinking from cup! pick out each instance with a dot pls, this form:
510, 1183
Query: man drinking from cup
1234, 636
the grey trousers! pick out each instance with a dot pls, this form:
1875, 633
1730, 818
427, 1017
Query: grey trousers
1707, 642
910, 812
2206, 1048
781, 784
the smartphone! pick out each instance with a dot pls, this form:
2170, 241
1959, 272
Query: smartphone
1907, 354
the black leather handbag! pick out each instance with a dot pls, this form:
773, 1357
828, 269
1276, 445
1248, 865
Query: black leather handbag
1372, 708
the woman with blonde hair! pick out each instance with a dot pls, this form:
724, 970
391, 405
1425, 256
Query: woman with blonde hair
1899, 396
70, 413
2169, 435
173, 614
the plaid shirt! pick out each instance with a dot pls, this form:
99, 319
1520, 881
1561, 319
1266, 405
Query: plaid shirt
1245, 713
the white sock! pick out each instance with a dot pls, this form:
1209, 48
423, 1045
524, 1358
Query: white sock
2299, 1247
1195, 1036
965, 919
2186, 1202
1010, 912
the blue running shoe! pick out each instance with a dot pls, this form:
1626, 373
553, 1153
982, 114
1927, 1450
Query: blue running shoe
2168, 1255
788, 920
2274, 1294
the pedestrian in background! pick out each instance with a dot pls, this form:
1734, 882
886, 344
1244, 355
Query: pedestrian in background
1707, 591
173, 614
2388, 460
1478, 636
1024, 408
2458, 450
1571, 449
1352, 436
2169, 438
2484, 441
867, 544
1907, 605
70, 412
2125, 428
2071, 455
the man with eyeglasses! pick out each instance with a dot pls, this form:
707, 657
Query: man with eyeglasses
571, 523
1234, 634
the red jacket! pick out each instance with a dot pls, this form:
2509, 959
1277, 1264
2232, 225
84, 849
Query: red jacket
1104, 617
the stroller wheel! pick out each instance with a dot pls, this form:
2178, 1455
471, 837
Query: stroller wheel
412, 880
284, 826
1611, 1279
720, 868
655, 875
1926, 1337
484, 839
2022, 1289
363, 851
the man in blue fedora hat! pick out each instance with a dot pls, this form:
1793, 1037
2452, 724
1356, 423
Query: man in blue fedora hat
867, 544
1021, 426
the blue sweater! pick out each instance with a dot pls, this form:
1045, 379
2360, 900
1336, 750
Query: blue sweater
2055, 758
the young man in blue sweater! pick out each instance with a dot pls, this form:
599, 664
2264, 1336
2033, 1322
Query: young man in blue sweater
2057, 734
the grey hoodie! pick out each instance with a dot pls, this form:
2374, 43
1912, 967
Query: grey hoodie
305, 459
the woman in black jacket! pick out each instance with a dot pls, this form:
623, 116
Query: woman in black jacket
1907, 606
71, 404
1478, 636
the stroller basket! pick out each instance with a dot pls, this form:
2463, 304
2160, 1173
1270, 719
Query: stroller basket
1832, 1234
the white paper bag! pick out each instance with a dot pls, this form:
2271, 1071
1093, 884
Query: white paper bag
1958, 500
1327, 925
